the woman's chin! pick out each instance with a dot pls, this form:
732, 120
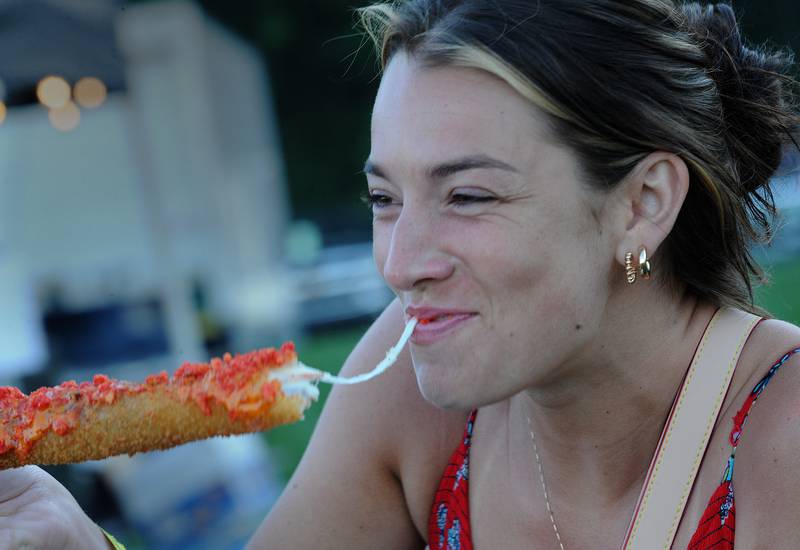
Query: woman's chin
442, 391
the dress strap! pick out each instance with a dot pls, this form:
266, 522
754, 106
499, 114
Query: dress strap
686, 433
741, 417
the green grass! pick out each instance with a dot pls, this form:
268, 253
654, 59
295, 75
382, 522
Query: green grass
781, 297
326, 351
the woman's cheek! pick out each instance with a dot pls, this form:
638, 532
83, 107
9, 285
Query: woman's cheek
381, 240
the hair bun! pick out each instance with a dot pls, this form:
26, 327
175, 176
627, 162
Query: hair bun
751, 84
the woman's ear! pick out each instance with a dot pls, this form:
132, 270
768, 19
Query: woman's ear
653, 194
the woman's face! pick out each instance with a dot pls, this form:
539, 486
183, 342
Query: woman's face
485, 233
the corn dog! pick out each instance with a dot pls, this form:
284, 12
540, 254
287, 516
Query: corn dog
252, 392
106, 417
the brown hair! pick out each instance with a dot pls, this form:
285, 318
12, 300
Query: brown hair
620, 79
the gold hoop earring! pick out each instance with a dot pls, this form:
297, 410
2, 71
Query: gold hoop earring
630, 271
644, 264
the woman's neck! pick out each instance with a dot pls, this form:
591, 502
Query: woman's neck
596, 428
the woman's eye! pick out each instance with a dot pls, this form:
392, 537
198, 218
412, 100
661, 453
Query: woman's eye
376, 200
464, 199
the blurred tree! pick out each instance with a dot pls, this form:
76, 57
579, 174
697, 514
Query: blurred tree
323, 92
776, 22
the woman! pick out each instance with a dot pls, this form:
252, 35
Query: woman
524, 156
520, 152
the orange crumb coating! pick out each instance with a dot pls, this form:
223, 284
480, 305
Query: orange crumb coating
75, 422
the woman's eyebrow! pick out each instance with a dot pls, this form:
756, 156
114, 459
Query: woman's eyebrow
470, 162
372, 169
446, 169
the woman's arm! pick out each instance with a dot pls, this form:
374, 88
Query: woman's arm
345, 493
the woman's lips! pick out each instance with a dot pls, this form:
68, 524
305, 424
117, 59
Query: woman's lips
433, 329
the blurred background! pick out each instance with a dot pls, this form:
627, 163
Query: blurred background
179, 179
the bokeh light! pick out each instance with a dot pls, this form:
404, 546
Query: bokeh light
90, 92
65, 118
53, 92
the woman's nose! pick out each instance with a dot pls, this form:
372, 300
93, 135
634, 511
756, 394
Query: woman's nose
415, 255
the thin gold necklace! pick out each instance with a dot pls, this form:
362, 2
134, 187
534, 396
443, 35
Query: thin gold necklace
544, 485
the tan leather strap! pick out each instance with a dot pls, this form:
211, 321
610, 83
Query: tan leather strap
688, 429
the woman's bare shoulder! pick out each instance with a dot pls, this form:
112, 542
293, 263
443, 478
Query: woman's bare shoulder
415, 438
768, 456
770, 338
392, 403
